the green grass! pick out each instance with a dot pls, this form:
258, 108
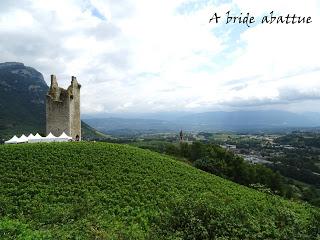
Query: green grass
109, 191
89, 133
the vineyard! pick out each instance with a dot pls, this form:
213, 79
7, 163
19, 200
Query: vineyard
109, 191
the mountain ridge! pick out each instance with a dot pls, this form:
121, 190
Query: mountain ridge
207, 121
22, 102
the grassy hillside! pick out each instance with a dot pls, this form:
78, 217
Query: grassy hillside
109, 191
89, 133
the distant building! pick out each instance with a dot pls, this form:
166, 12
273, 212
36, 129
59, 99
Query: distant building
181, 136
63, 109
229, 146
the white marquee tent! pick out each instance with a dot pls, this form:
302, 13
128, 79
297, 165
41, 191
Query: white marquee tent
34, 139
64, 137
22, 139
30, 136
13, 140
37, 138
50, 138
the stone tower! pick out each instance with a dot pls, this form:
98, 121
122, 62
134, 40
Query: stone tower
63, 109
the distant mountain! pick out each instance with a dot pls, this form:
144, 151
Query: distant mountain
164, 116
314, 116
131, 126
208, 121
250, 120
22, 99
22, 102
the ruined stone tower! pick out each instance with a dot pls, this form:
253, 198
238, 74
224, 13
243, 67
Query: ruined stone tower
63, 109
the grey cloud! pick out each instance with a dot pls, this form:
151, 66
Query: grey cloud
302, 72
104, 31
298, 95
44, 48
148, 74
7, 5
239, 87
241, 80
118, 59
38, 50
121, 8
98, 70
168, 90
253, 102
26, 44
286, 96
242, 83
175, 88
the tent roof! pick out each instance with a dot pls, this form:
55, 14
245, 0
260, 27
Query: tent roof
12, 140
50, 135
23, 138
30, 136
64, 135
37, 135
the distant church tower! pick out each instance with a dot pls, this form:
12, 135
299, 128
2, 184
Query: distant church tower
63, 109
181, 136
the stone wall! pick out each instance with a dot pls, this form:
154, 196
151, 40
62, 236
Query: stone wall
75, 122
63, 109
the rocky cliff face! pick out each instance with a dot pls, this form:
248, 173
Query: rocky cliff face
22, 99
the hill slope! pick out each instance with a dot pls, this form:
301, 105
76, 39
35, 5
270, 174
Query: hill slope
109, 191
89, 133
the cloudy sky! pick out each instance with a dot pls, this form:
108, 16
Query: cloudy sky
163, 55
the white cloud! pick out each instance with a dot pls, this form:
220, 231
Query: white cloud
164, 55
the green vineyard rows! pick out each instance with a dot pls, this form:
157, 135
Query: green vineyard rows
109, 191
